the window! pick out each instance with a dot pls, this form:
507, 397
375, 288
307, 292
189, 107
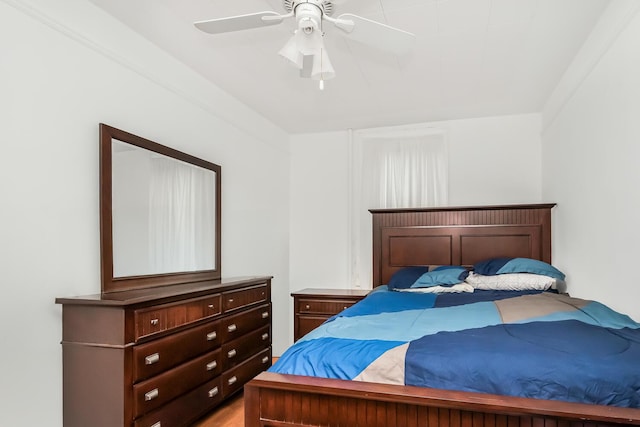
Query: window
392, 168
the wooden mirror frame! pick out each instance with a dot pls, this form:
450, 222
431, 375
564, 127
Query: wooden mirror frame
116, 284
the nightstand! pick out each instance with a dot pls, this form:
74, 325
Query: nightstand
311, 307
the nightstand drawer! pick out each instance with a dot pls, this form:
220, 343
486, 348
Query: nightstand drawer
315, 306
307, 324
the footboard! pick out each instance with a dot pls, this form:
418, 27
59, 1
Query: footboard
276, 400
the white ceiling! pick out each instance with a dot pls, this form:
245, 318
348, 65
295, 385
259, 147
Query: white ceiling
472, 58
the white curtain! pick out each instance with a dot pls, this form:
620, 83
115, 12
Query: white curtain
405, 172
403, 167
181, 208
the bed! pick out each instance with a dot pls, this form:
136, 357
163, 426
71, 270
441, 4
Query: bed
416, 237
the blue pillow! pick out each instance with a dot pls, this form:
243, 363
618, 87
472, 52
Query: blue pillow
503, 265
442, 276
405, 277
446, 267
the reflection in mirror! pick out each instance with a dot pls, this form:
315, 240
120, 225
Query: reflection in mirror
159, 214
163, 213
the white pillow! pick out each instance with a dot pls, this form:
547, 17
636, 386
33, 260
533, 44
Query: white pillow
511, 282
460, 287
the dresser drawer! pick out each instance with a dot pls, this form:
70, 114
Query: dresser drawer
239, 324
234, 379
233, 300
154, 357
184, 410
149, 321
244, 347
316, 306
154, 392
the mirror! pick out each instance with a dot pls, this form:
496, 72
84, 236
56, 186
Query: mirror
160, 214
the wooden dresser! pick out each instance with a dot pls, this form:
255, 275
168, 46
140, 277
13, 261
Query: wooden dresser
162, 357
311, 307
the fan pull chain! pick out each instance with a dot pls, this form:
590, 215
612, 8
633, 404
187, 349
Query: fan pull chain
321, 84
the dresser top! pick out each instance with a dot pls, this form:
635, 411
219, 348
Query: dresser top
125, 298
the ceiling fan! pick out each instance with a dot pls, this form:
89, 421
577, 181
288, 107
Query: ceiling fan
305, 50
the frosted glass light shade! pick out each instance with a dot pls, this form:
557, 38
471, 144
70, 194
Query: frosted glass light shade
309, 44
322, 68
291, 52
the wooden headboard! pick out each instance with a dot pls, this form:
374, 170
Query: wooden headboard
458, 236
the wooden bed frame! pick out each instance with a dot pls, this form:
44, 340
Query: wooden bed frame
441, 236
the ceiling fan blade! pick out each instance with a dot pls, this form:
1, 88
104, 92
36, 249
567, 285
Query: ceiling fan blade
376, 34
240, 22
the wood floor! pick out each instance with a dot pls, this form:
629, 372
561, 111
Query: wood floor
229, 414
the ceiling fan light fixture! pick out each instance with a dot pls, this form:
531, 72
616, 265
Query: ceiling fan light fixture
305, 50
302, 44
309, 43
322, 69
308, 17
291, 52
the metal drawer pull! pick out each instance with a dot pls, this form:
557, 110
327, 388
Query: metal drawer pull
344, 308
265, 336
232, 353
212, 365
265, 314
213, 392
154, 322
307, 307
230, 300
151, 395
232, 327
265, 359
158, 424
212, 336
211, 306
151, 359
232, 380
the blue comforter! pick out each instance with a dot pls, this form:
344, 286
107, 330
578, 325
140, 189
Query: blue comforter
529, 344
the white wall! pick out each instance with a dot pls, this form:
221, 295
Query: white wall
319, 210
591, 147
494, 160
65, 67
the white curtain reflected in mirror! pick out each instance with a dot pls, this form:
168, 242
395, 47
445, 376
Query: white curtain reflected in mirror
163, 213
181, 207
